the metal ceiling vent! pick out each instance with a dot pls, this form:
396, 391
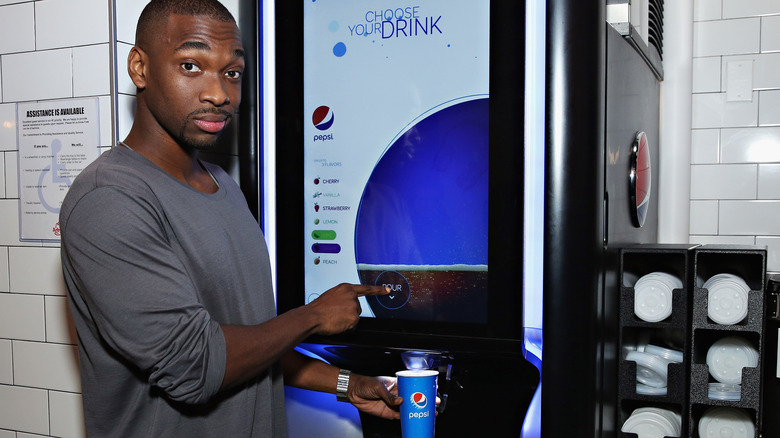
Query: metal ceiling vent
655, 25
641, 22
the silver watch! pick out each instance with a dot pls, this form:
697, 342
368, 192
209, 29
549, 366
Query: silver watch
341, 385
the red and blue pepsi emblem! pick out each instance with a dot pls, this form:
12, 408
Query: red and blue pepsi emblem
640, 179
322, 118
419, 400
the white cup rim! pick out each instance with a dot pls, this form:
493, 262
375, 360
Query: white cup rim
416, 373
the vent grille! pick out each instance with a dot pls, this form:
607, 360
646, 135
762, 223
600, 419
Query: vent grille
655, 20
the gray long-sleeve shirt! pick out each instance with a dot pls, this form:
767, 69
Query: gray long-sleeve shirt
153, 267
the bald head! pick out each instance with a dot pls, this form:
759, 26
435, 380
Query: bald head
156, 14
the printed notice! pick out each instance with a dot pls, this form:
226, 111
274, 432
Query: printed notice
57, 140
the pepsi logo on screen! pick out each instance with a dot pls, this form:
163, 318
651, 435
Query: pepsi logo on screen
322, 118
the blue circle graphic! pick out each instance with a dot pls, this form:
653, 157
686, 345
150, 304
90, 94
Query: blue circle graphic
426, 201
339, 49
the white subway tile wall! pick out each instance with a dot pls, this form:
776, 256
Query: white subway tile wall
17, 28
733, 182
735, 145
770, 34
24, 409
58, 326
2, 175
50, 70
706, 74
46, 365
91, 70
705, 146
769, 108
765, 67
749, 8
769, 181
44, 56
726, 37
11, 177
722, 240
65, 414
773, 246
6, 363
711, 110
5, 284
749, 218
54, 31
125, 28
707, 10
106, 120
7, 127
750, 145
26, 276
22, 317
704, 217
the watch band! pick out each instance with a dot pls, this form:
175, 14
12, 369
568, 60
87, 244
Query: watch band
341, 385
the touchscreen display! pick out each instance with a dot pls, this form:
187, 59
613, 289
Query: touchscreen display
396, 154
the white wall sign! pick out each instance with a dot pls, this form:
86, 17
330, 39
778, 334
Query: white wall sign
57, 140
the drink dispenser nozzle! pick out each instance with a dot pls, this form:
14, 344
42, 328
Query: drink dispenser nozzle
430, 360
419, 360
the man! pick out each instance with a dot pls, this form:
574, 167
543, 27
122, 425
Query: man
167, 272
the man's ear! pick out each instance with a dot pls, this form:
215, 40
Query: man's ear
137, 62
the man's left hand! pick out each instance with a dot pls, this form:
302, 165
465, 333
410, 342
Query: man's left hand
375, 395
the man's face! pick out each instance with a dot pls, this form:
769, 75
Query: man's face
193, 86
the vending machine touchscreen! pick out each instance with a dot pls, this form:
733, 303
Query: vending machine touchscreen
396, 155
400, 164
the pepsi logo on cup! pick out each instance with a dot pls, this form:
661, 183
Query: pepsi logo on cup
419, 400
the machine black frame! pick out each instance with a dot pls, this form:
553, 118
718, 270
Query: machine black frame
503, 331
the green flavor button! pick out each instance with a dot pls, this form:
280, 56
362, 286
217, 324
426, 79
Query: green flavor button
323, 234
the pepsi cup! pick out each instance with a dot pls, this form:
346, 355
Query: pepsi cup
418, 410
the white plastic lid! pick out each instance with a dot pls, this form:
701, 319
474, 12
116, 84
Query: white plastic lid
652, 299
666, 353
650, 425
730, 277
673, 418
651, 370
726, 422
724, 391
728, 356
643, 389
727, 302
668, 278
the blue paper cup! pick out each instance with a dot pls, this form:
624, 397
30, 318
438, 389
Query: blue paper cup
418, 410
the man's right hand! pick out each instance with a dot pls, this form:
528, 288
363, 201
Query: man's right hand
338, 309
250, 349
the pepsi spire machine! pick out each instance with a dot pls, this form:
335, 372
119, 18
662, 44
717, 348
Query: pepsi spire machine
441, 149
